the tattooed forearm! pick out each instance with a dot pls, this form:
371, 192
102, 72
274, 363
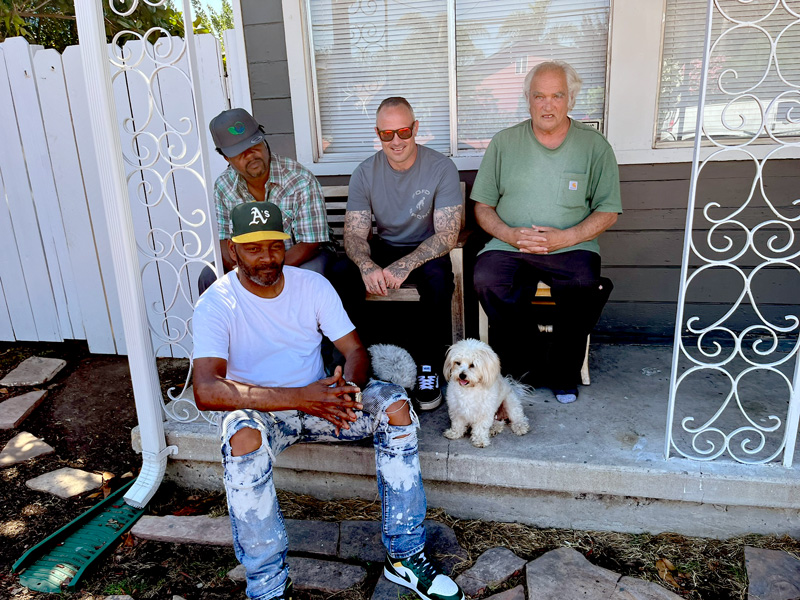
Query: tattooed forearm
357, 225
447, 223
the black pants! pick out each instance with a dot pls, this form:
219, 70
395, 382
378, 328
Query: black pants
506, 284
431, 329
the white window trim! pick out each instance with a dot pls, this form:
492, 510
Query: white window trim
631, 102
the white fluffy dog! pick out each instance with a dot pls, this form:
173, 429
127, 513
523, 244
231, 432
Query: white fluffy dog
476, 390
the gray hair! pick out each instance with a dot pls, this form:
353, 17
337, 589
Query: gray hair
574, 80
395, 101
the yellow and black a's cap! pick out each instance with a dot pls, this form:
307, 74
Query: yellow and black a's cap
256, 222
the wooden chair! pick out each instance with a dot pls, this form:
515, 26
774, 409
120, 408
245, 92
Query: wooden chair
407, 292
543, 298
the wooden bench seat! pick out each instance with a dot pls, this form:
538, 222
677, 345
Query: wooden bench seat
336, 204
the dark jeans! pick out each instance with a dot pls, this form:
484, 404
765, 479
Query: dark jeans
506, 284
432, 327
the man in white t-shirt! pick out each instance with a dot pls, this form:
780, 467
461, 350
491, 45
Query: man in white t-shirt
257, 337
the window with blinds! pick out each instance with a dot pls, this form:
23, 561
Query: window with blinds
743, 79
367, 50
498, 42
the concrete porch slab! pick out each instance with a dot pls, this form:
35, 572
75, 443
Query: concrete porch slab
595, 464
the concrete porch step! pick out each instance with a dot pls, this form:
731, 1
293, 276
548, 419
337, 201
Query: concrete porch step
595, 464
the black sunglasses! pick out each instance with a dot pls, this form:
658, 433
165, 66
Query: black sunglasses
387, 135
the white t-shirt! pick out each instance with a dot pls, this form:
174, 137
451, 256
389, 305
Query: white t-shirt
270, 342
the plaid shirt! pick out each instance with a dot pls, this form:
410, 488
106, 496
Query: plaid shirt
291, 187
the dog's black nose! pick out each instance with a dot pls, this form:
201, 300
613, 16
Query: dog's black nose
462, 375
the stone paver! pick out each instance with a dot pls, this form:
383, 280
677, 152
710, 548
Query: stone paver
35, 370
493, 567
22, 447
15, 410
66, 482
565, 574
325, 576
516, 593
313, 537
773, 574
630, 588
443, 546
215, 531
386, 590
361, 540
119, 597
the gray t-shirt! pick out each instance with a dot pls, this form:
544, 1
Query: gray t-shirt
403, 201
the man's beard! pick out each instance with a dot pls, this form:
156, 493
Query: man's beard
256, 167
264, 276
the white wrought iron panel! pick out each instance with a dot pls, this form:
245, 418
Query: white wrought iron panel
157, 82
735, 380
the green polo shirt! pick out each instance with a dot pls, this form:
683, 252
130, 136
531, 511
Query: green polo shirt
529, 184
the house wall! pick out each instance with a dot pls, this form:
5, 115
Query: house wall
265, 45
641, 253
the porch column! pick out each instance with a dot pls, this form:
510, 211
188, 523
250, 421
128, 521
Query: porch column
141, 358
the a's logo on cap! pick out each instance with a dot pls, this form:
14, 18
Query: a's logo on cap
237, 128
573, 185
258, 217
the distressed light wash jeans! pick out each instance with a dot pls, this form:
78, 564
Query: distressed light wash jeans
259, 534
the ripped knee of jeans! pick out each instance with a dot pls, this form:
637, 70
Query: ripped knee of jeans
382, 399
401, 436
240, 421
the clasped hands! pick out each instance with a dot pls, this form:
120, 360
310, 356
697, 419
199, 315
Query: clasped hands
378, 281
538, 239
332, 399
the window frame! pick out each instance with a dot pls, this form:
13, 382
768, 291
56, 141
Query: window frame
633, 76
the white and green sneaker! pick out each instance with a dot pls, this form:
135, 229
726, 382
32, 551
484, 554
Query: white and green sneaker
418, 574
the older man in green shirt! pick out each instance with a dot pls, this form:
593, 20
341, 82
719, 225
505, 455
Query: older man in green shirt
546, 189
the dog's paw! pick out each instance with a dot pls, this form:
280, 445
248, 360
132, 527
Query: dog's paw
497, 427
520, 427
452, 434
480, 442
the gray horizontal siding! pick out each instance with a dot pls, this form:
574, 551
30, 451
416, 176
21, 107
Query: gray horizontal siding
642, 252
268, 68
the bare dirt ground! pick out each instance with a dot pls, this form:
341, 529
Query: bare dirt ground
87, 417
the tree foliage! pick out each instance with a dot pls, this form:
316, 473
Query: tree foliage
214, 21
51, 23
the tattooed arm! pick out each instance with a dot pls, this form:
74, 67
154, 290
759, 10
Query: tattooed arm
357, 226
447, 225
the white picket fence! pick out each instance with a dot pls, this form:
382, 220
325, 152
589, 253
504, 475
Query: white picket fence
56, 276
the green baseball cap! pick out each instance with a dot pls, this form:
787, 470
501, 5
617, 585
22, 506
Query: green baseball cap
234, 131
256, 222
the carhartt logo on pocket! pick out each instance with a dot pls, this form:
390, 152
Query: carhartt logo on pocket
573, 185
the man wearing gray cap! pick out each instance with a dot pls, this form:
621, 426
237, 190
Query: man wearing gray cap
254, 173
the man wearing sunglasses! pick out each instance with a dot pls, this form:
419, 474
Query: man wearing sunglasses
255, 174
413, 193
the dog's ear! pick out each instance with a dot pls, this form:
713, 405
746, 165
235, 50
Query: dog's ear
489, 366
447, 369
